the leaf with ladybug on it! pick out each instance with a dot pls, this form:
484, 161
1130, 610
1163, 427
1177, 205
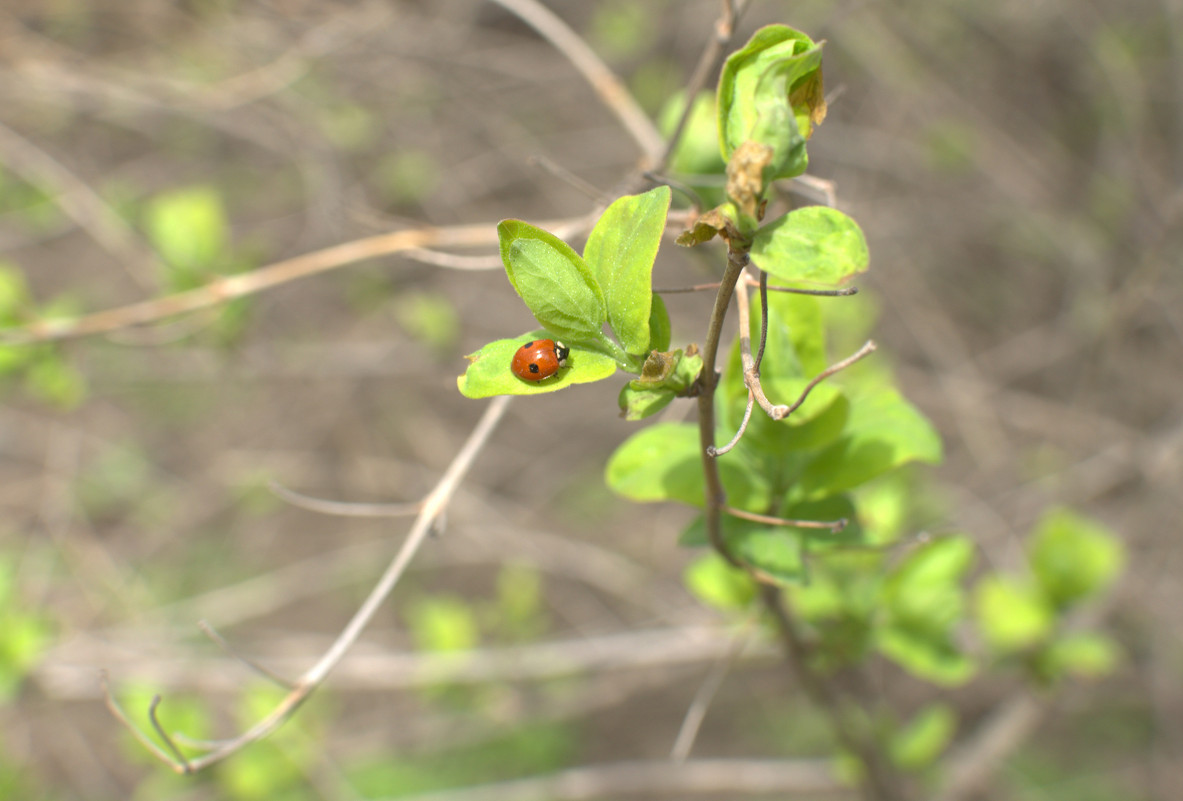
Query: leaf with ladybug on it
573, 298
489, 373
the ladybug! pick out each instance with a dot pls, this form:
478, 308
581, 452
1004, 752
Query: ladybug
539, 359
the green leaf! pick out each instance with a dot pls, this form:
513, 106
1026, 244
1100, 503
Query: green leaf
718, 584
488, 373
559, 289
24, 637
1012, 615
637, 404
775, 550
922, 603
926, 655
812, 245
443, 624
1073, 557
189, 230
659, 325
928, 733
883, 432
665, 375
924, 591
427, 317
54, 381
15, 299
697, 153
620, 252
1086, 655
664, 463
754, 96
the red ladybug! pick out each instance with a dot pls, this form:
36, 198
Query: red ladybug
539, 359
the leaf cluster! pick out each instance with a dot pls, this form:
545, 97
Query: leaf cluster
574, 298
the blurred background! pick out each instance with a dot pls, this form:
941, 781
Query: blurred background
1016, 167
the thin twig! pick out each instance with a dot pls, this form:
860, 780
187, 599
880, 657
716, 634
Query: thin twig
344, 508
743, 426
589, 190
723, 777
237, 286
221, 642
611, 90
433, 505
164, 736
751, 370
681, 289
708, 61
781, 412
81, 204
763, 322
834, 526
117, 711
825, 293
696, 713
453, 261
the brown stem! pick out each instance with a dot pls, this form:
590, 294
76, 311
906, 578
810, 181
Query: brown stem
715, 496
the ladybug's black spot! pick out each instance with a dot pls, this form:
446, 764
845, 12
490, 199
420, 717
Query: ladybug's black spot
528, 344
534, 368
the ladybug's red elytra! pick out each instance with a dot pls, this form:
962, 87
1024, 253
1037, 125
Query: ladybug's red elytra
539, 359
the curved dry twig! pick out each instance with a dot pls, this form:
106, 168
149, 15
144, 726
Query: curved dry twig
781, 412
272, 275
344, 508
834, 526
433, 506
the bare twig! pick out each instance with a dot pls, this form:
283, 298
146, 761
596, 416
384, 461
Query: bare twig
682, 289
697, 711
610, 89
433, 506
708, 61
724, 777
345, 508
834, 526
825, 293
743, 426
221, 642
117, 711
81, 204
173, 748
588, 190
281, 272
867, 349
378, 668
